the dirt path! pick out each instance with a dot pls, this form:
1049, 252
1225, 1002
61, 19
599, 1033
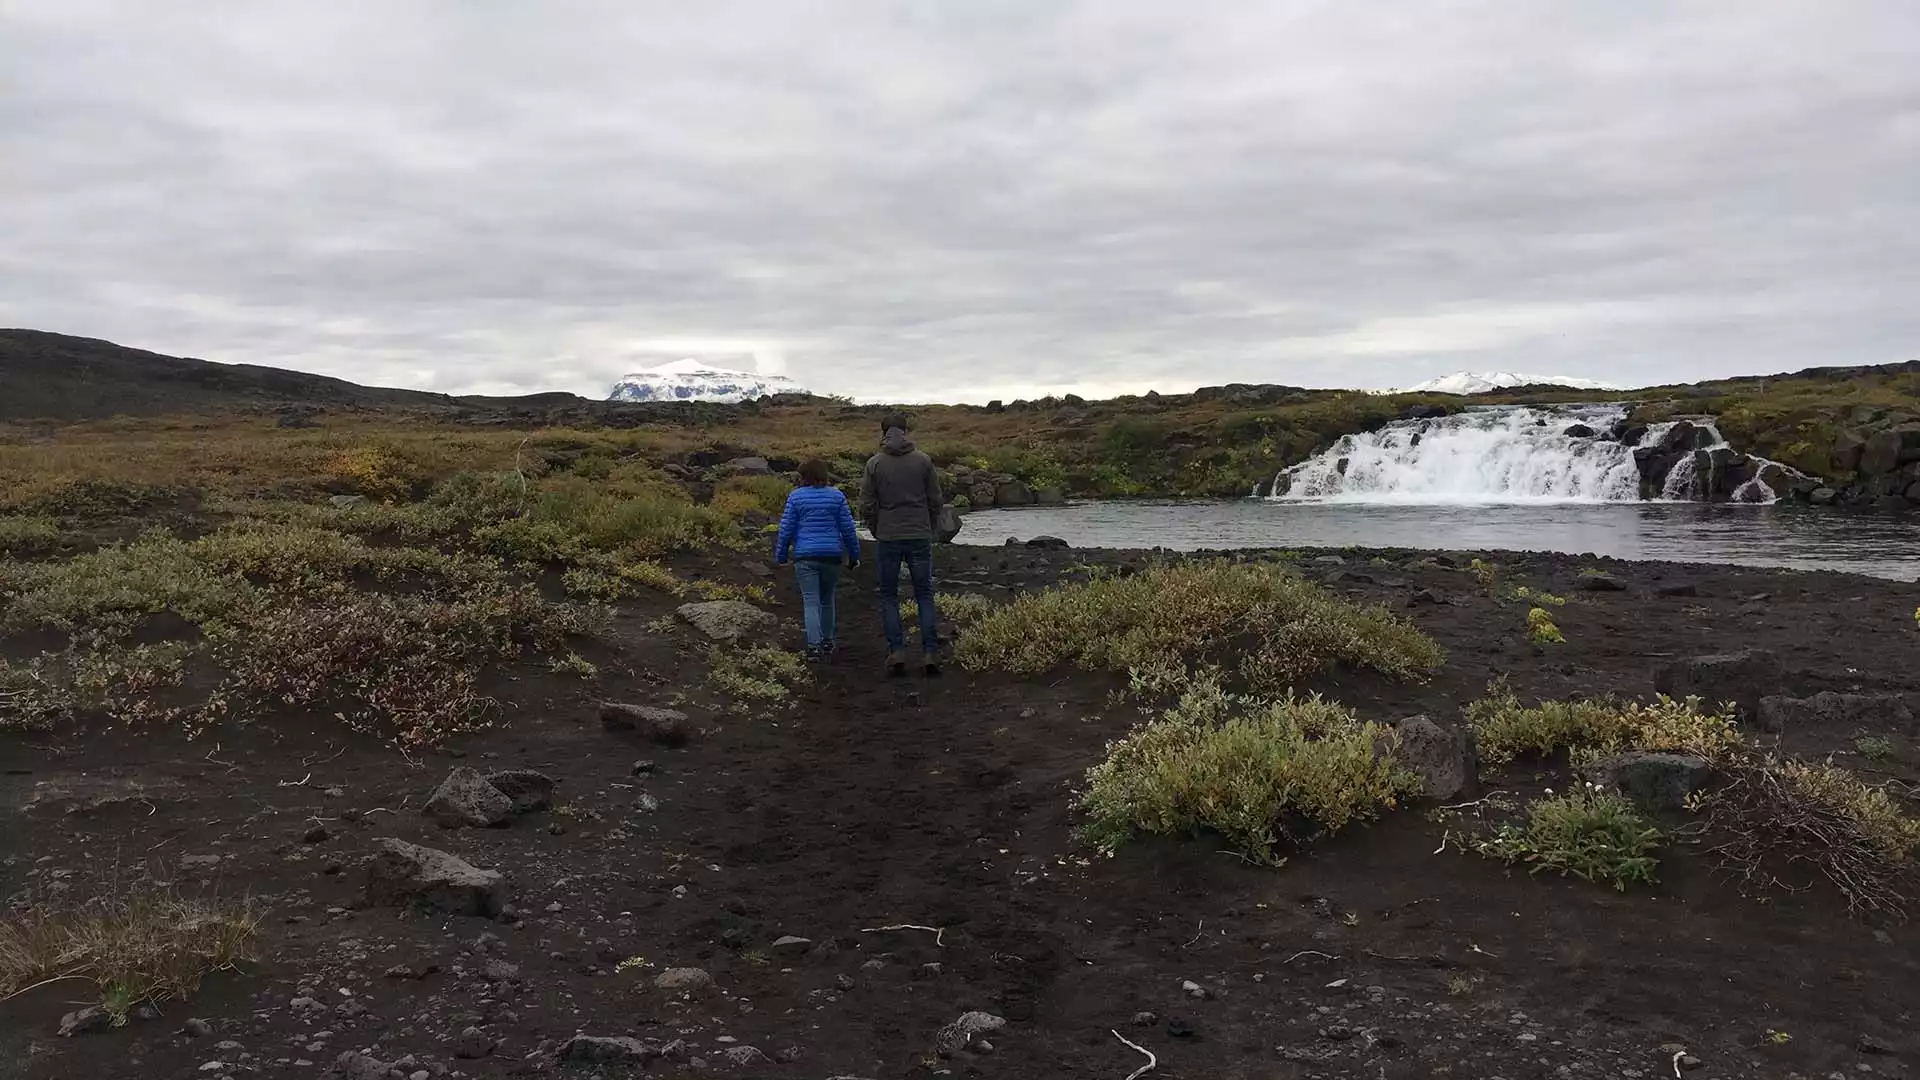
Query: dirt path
945, 803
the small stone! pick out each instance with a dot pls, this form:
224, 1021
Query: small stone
473, 1044
199, 862
530, 791
1867, 1044
741, 1057
213, 1066
1145, 1019
982, 1046
554, 908
501, 971
601, 1050
85, 1021
790, 943
419, 1074
318, 834
197, 1029
1689, 1062
844, 982
642, 767
930, 970
1601, 583
646, 803
1195, 990
466, 798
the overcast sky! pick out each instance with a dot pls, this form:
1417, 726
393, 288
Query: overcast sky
965, 199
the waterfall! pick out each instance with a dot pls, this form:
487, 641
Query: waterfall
1519, 454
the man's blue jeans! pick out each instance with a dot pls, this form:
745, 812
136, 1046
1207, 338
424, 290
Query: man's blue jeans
918, 555
817, 579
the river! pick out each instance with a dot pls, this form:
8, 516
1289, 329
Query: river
1782, 535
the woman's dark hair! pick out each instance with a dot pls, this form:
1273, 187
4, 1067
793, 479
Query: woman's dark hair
815, 473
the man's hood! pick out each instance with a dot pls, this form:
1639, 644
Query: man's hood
896, 442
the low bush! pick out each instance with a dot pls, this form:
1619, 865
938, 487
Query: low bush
1280, 628
1542, 630
123, 684
741, 497
1776, 825
756, 678
1265, 774
28, 534
1505, 730
958, 610
1594, 835
142, 947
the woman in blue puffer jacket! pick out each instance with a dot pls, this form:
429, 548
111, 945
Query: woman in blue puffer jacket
816, 530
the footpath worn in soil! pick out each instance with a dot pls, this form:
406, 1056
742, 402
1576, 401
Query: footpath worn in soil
767, 851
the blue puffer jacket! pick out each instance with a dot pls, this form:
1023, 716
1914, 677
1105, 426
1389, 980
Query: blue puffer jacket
817, 524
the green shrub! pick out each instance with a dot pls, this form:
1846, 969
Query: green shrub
1281, 628
30, 534
741, 497
1250, 769
759, 677
1541, 629
645, 523
956, 609
105, 592
1594, 835
1505, 730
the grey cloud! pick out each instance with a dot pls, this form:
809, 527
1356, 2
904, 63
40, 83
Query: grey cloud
919, 200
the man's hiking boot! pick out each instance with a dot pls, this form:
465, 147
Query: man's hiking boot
931, 667
897, 662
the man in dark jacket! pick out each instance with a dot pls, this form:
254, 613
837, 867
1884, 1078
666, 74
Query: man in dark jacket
900, 501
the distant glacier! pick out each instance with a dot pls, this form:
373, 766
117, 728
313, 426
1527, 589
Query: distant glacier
691, 380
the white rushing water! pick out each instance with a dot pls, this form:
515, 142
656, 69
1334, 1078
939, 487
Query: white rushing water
1511, 454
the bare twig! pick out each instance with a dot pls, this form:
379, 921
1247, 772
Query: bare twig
1151, 1060
41, 983
1676, 1062
1197, 931
302, 782
230, 765
939, 933
1310, 952
309, 761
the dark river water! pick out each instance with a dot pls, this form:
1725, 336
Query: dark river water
1788, 536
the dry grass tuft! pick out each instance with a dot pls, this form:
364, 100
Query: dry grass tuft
149, 946
1779, 825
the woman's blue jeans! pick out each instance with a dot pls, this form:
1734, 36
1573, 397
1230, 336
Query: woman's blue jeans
817, 579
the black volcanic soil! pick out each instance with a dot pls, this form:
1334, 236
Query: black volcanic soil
945, 804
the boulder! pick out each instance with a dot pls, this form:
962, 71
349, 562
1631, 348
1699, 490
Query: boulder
1848, 446
1424, 412
1579, 431
1629, 434
529, 790
1887, 450
947, 524
1600, 583
1677, 588
405, 875
668, 727
727, 620
1835, 712
85, 1021
1012, 493
748, 466
1049, 543
981, 495
1913, 492
1443, 758
1658, 783
1049, 496
1742, 678
1823, 496
465, 798
605, 1050
955, 1036
685, 982
1683, 436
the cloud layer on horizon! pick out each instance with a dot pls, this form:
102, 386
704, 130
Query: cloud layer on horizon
917, 201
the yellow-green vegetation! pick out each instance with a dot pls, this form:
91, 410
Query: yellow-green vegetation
1504, 730
1795, 420
370, 570
146, 946
1243, 767
1776, 822
757, 678
1594, 835
1541, 629
743, 497
1281, 628
959, 610
28, 534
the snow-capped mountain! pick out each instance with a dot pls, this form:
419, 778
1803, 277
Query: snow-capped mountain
1480, 382
691, 380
